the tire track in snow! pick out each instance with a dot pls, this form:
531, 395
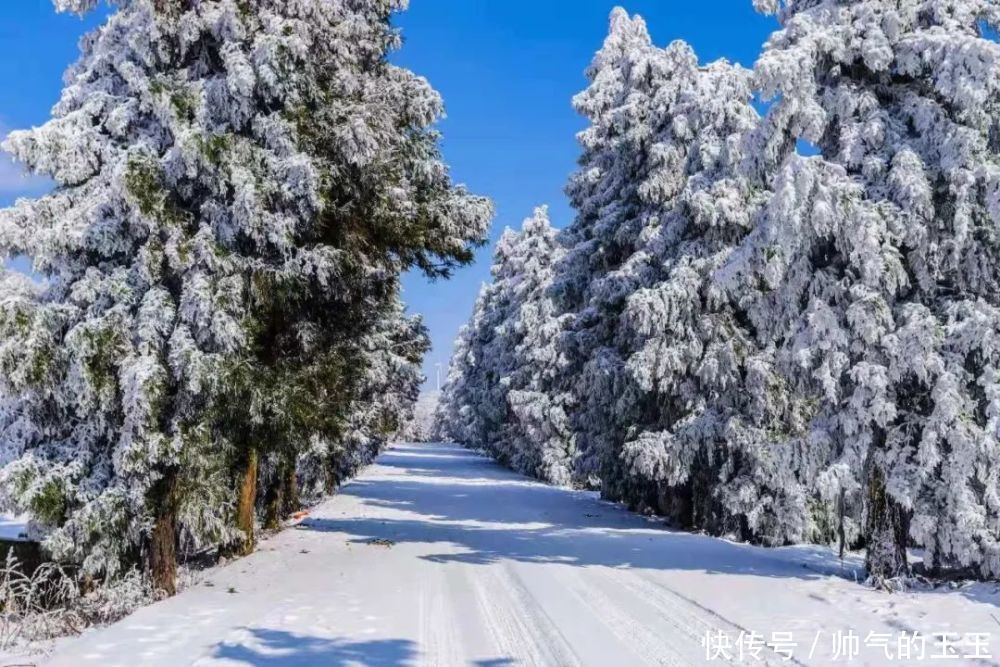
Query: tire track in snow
471, 629
688, 623
651, 647
673, 604
439, 640
473, 580
518, 625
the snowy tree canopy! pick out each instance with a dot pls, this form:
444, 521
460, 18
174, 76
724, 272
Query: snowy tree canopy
883, 252
239, 186
419, 425
499, 392
759, 343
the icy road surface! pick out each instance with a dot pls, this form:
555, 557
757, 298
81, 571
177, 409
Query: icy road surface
438, 556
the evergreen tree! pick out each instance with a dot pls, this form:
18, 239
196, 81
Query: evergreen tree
239, 185
626, 76
497, 395
420, 426
714, 442
882, 253
474, 406
392, 355
539, 432
780, 346
493, 349
451, 414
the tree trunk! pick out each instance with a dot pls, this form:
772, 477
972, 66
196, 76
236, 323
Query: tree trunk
246, 504
885, 531
290, 490
162, 554
841, 534
332, 474
273, 504
282, 498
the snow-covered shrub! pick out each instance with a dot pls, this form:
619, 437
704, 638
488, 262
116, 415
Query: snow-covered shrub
34, 606
53, 601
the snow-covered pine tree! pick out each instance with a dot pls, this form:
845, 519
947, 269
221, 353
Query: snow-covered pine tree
625, 77
884, 257
449, 421
710, 445
420, 426
239, 184
493, 347
539, 436
497, 395
391, 354
18, 297
473, 408
529, 432
359, 420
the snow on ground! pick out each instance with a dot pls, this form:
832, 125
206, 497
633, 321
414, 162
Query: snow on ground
11, 528
436, 555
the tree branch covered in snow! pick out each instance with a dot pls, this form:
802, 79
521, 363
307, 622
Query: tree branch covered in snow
240, 184
757, 343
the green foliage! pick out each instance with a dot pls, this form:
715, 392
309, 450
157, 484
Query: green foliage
214, 147
185, 105
231, 282
144, 182
48, 504
101, 366
40, 365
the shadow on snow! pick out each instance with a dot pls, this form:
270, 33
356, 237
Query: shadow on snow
264, 647
277, 647
447, 495
450, 495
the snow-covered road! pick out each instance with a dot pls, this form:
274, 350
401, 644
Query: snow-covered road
438, 556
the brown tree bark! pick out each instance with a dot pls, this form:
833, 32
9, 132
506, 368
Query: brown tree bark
162, 551
246, 503
282, 498
290, 490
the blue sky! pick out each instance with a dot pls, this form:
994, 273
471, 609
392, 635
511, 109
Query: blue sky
506, 68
